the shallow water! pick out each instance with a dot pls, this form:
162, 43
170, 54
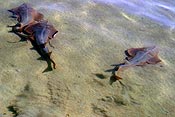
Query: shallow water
93, 35
160, 11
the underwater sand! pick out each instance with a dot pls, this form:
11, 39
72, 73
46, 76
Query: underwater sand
92, 36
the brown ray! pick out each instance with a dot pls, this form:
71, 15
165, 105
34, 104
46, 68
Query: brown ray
138, 57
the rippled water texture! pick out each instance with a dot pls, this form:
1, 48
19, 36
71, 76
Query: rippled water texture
160, 11
93, 35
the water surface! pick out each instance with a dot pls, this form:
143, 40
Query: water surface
93, 35
160, 11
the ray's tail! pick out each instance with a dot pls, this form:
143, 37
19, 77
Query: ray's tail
117, 72
117, 77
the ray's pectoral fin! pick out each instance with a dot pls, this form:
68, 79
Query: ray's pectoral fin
39, 16
132, 51
154, 60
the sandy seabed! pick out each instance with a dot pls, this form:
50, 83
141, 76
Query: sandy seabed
92, 36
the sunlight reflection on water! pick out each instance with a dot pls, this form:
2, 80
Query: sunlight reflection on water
157, 10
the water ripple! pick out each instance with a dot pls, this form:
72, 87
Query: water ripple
158, 10
59, 7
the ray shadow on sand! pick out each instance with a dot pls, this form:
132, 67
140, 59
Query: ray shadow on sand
45, 57
100, 76
14, 110
112, 78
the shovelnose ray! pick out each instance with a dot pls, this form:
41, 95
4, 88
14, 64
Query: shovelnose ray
33, 27
138, 57
25, 14
42, 32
